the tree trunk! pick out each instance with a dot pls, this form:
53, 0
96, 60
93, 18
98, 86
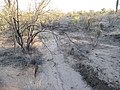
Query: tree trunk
117, 2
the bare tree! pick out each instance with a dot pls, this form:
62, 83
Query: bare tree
32, 28
25, 33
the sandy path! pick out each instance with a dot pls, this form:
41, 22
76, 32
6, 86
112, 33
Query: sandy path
58, 75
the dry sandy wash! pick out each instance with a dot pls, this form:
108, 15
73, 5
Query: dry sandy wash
53, 74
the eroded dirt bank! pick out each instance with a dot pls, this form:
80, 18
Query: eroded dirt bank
98, 65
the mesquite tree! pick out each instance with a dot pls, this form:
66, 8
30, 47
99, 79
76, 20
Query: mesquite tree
24, 33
